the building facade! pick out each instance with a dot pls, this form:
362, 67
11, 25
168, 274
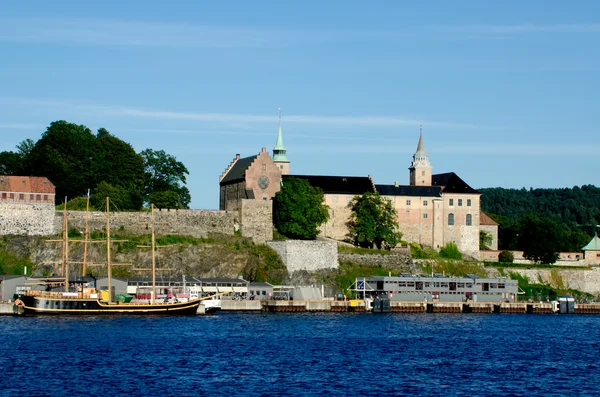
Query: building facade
26, 205
432, 210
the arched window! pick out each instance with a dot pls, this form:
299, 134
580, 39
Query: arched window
450, 219
469, 220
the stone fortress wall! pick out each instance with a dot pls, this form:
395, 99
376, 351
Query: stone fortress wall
195, 223
306, 255
30, 219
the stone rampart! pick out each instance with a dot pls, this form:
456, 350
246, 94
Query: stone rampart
27, 219
306, 255
257, 220
195, 223
582, 280
400, 261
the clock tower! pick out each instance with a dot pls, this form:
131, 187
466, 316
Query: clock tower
420, 169
280, 153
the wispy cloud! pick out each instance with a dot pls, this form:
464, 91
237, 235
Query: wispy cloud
229, 119
106, 32
517, 29
146, 34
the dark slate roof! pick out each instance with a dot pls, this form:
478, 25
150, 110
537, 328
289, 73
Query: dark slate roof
338, 184
238, 171
414, 191
452, 183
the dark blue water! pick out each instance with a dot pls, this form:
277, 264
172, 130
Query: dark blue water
302, 354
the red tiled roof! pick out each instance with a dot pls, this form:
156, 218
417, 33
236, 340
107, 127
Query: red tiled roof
484, 219
26, 184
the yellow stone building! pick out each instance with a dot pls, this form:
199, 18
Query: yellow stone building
433, 209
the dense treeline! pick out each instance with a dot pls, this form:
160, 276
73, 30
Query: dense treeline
564, 218
76, 160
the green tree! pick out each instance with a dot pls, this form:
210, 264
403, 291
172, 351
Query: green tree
506, 256
450, 251
11, 163
168, 199
117, 164
119, 197
64, 154
164, 173
373, 222
299, 209
540, 238
485, 240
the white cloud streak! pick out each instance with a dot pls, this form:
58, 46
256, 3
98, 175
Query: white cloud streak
237, 118
161, 34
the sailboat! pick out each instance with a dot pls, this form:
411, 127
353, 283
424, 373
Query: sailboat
89, 301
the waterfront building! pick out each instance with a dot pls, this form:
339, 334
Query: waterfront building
438, 288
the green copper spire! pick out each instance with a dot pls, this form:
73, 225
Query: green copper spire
279, 151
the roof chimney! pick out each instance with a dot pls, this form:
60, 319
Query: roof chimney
237, 156
396, 183
264, 149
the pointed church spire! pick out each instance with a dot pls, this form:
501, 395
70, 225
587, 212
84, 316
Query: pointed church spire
279, 151
279, 144
420, 169
420, 147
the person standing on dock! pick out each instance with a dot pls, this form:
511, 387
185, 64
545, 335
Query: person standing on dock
18, 305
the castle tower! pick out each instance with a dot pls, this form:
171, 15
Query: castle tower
420, 169
280, 153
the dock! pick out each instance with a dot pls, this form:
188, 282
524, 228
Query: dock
358, 306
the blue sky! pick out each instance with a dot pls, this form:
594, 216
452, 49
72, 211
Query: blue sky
507, 92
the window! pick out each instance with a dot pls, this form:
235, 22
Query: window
45, 197
451, 202
425, 202
264, 167
21, 196
468, 202
460, 202
407, 202
3, 195
450, 219
469, 220
38, 197
424, 216
281, 167
31, 197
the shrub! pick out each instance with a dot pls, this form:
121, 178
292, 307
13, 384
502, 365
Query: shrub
450, 251
506, 256
417, 252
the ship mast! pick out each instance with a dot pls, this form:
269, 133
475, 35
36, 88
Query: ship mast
86, 235
108, 250
65, 253
153, 258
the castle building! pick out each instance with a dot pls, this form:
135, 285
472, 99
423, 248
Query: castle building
26, 205
432, 210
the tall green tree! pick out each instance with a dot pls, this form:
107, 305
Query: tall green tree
164, 173
117, 164
64, 154
299, 209
541, 239
373, 222
11, 163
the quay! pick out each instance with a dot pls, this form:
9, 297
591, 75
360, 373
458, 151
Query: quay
359, 306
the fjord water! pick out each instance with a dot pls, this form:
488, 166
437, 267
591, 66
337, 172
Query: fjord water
302, 354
